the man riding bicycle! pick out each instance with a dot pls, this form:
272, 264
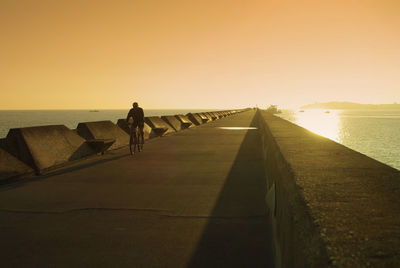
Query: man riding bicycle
137, 115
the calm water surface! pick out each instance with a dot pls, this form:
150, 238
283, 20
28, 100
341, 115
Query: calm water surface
374, 133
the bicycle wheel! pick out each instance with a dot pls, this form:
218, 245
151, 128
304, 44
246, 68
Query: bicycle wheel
137, 141
141, 141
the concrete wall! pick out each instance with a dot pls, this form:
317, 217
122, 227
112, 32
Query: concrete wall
330, 205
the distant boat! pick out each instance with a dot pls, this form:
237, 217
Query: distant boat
327, 112
94, 111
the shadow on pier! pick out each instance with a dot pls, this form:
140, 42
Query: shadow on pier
238, 233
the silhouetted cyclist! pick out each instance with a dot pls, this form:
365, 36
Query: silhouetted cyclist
137, 115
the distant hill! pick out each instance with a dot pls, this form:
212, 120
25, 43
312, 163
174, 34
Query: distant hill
351, 105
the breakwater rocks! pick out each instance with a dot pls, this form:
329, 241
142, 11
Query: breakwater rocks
36, 150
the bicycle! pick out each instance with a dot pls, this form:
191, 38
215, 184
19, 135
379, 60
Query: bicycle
134, 139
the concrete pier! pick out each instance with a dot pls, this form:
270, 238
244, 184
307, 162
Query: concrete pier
195, 198
246, 190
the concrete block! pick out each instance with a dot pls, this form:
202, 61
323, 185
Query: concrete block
147, 130
209, 117
218, 114
186, 123
11, 167
172, 121
103, 130
222, 114
159, 126
45, 147
212, 116
195, 119
125, 126
100, 146
204, 118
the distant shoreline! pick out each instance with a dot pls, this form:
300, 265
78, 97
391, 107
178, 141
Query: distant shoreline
351, 106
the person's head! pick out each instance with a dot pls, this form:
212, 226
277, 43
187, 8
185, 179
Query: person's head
135, 105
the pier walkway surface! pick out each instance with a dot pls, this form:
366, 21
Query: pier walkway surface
195, 198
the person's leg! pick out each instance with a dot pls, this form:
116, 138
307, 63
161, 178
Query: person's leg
141, 134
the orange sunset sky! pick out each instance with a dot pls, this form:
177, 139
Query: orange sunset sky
197, 54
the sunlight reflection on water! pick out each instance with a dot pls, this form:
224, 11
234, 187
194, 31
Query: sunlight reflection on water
371, 132
321, 122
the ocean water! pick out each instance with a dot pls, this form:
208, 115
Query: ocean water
375, 133
70, 118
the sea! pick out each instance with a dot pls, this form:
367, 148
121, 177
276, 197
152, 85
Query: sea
375, 133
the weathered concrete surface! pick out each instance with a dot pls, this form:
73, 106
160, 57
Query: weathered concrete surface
193, 199
126, 126
99, 146
148, 132
159, 126
213, 115
186, 123
333, 206
210, 118
204, 117
103, 130
45, 147
224, 114
195, 118
11, 167
3, 143
173, 122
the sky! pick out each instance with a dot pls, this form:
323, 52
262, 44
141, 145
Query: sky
81, 54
